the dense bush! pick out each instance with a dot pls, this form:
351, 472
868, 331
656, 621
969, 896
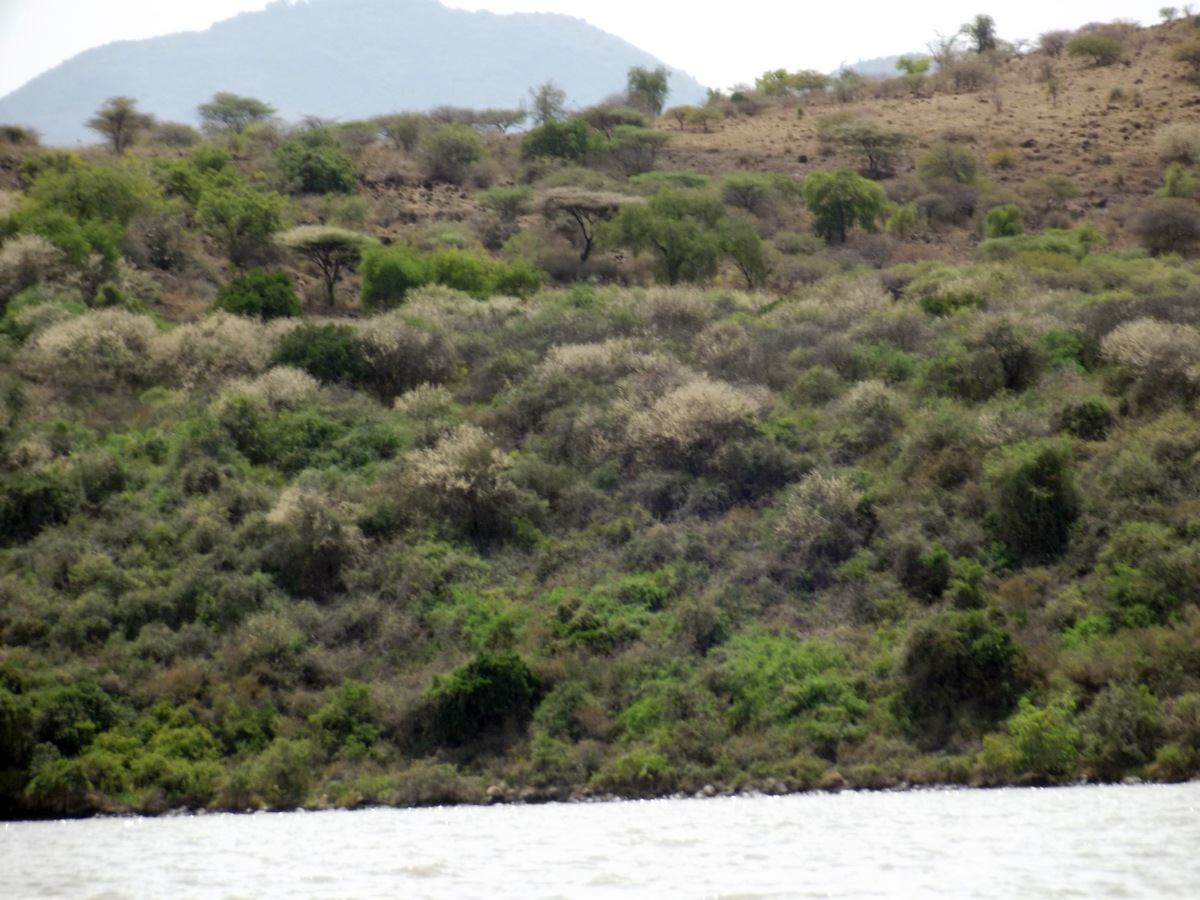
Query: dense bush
961, 670
268, 295
329, 353
491, 693
570, 139
314, 163
1036, 501
448, 151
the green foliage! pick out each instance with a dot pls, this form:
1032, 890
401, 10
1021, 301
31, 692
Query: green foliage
492, 693
840, 200
647, 89
606, 117
345, 724
1042, 741
570, 139
960, 671
679, 228
1101, 49
328, 352
880, 146
236, 215
508, 203
230, 113
774, 680
328, 248
268, 295
1003, 221
1121, 729
447, 152
1035, 499
388, 274
119, 121
949, 162
1178, 182
314, 163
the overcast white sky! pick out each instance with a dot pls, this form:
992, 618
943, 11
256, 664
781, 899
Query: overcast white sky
720, 44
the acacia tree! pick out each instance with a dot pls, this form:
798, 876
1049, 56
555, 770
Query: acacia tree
120, 122
230, 113
585, 208
331, 250
648, 89
840, 200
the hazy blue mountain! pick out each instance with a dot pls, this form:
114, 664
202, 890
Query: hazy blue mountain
883, 66
341, 59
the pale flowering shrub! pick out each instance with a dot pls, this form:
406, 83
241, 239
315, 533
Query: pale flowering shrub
673, 310
1163, 357
430, 408
97, 351
1178, 142
215, 349
464, 480
315, 539
601, 363
457, 311
282, 387
820, 518
26, 260
872, 413
425, 401
693, 420
397, 356
1146, 344
840, 302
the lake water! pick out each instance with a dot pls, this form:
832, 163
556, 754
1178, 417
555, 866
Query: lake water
1094, 841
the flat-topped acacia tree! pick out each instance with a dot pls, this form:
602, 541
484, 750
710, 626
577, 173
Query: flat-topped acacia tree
330, 249
231, 113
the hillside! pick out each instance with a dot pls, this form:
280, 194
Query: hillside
409, 461
342, 59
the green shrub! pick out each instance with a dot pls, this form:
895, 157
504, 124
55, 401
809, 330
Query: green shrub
388, 274
268, 295
492, 693
1035, 499
1042, 741
314, 164
1088, 420
570, 139
329, 353
774, 680
1101, 49
346, 722
1122, 728
959, 670
448, 151
1003, 221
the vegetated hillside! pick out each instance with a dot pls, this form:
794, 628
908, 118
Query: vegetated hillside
337, 58
409, 462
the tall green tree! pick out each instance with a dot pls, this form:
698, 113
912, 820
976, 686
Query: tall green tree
680, 228
648, 89
840, 200
119, 120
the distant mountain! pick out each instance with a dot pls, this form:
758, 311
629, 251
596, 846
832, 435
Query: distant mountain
340, 59
883, 66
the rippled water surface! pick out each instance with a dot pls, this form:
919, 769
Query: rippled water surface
1067, 842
